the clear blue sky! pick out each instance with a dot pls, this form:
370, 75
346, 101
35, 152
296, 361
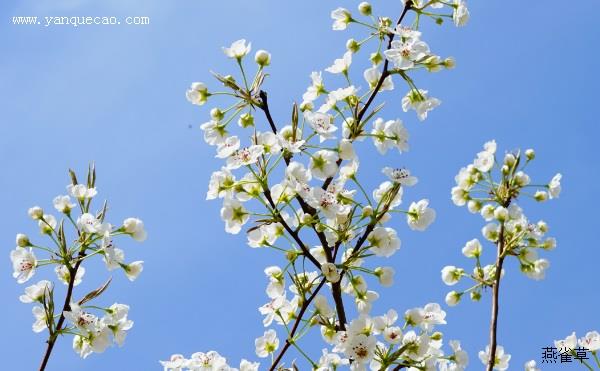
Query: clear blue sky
526, 76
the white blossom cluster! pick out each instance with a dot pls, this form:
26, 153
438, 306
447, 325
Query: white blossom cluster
491, 187
79, 235
296, 189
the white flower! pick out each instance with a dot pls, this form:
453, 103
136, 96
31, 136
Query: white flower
432, 315
197, 93
35, 212
322, 306
331, 361
472, 248
238, 49
341, 18
220, 185
406, 51
484, 161
385, 275
82, 320
390, 134
228, 147
420, 102
63, 204
47, 224
269, 141
451, 275
266, 344
360, 348
341, 65
460, 357
591, 341
373, 74
567, 344
554, 186
82, 346
24, 263
531, 366
248, 366
215, 133
88, 223
40, 319
206, 361
330, 272
81, 191
175, 363
501, 361
537, 269
315, 89
322, 123
460, 15
420, 216
133, 270
323, 164
384, 241
400, 176
234, 215
459, 196
63, 274
36, 292
245, 156
135, 227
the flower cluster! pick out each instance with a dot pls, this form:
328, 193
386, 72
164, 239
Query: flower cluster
296, 189
205, 361
491, 187
495, 199
91, 236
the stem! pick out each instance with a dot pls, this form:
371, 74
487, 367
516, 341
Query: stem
66, 307
384, 75
495, 299
290, 340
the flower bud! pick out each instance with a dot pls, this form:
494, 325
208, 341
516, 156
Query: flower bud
36, 212
474, 206
501, 214
510, 159
437, 336
452, 298
365, 8
450, 63
262, 58
505, 169
246, 120
542, 226
522, 179
22, 240
352, 45
216, 114
367, 211
541, 196
530, 154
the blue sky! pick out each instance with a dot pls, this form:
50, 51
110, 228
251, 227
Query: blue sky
526, 76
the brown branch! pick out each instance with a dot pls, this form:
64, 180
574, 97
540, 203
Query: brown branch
495, 301
66, 307
384, 75
290, 339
